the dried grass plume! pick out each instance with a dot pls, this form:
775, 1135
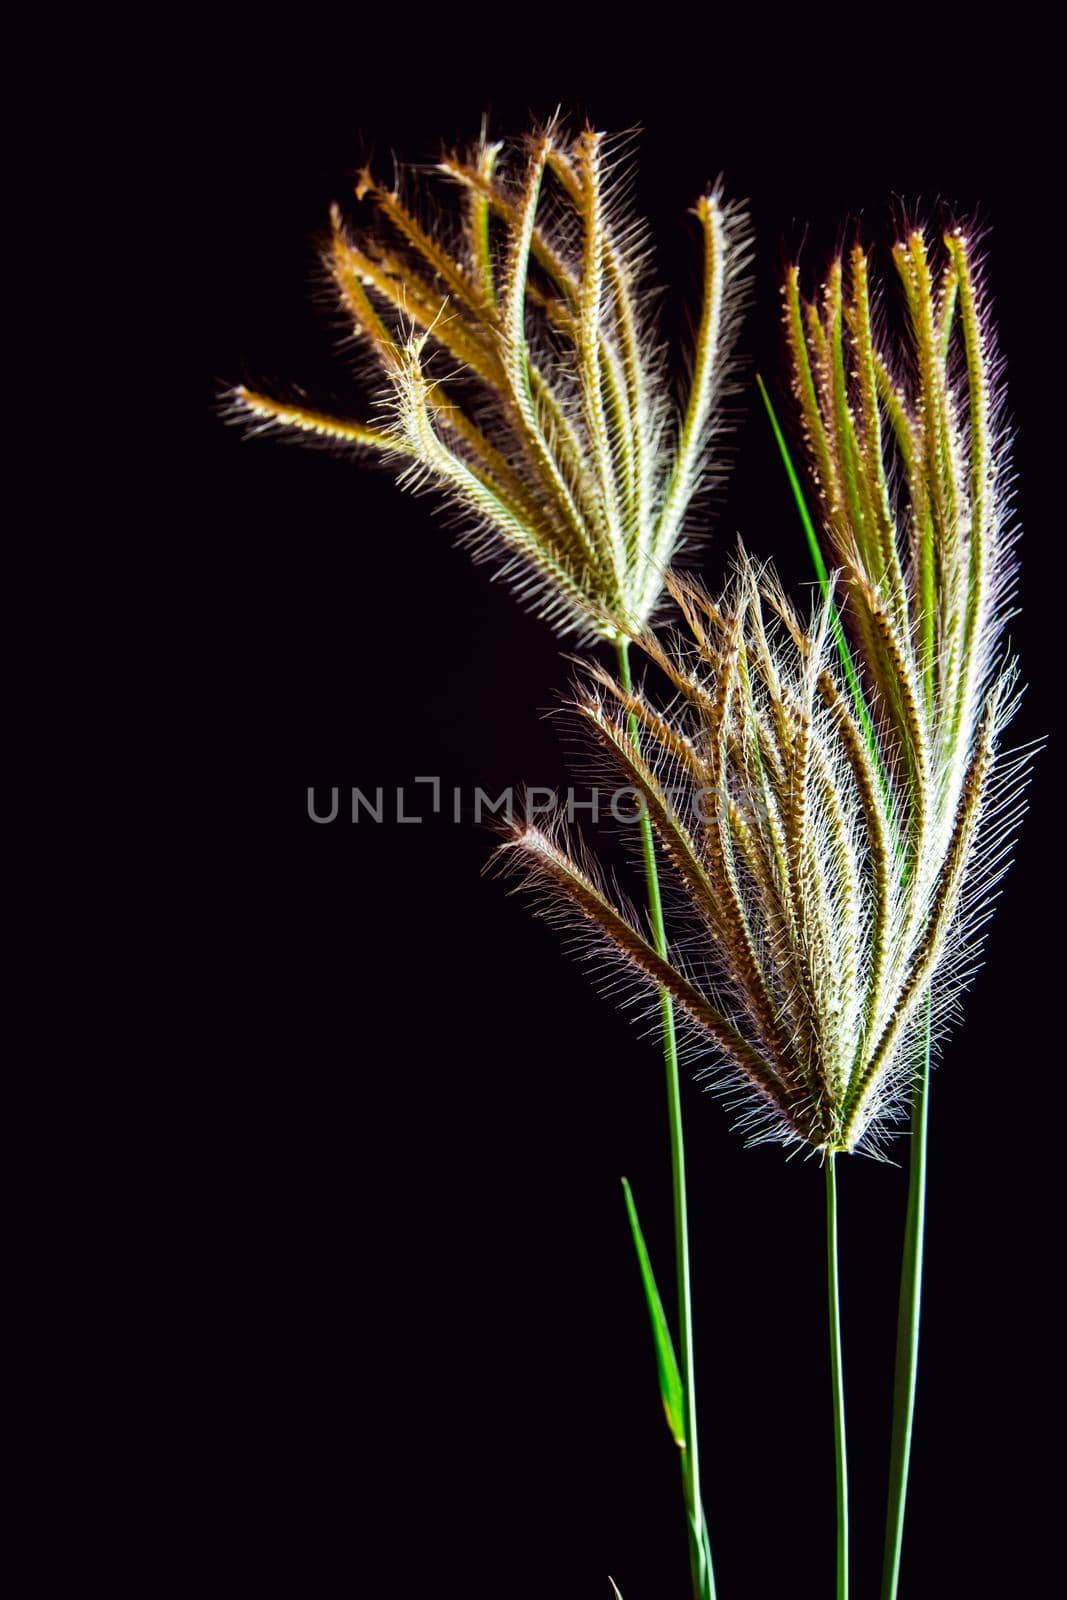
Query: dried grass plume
520, 372
835, 822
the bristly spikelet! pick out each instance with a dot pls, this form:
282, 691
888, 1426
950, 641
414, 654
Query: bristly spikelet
911, 467
808, 955
523, 377
835, 838
910, 457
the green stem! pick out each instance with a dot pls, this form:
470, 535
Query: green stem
837, 1370
699, 1547
907, 1363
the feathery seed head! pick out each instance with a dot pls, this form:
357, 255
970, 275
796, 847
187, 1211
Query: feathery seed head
523, 379
910, 463
836, 823
800, 953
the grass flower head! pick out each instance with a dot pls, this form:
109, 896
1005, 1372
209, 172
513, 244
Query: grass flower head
523, 377
835, 824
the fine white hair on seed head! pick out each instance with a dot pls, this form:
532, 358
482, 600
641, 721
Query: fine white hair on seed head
827, 911
520, 375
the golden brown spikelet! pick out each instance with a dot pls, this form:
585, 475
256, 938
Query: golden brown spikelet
809, 955
909, 459
522, 376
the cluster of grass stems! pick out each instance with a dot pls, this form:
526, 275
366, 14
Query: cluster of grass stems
824, 804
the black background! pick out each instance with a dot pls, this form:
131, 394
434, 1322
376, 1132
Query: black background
417, 1347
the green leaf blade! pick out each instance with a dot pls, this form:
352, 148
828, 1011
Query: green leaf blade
670, 1379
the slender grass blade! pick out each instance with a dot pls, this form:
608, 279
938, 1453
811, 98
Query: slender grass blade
670, 1381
